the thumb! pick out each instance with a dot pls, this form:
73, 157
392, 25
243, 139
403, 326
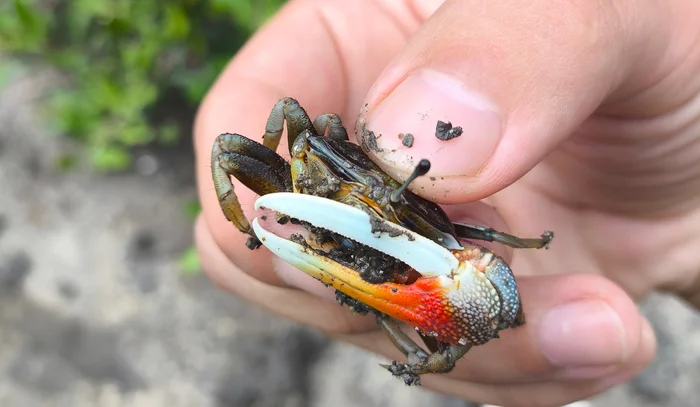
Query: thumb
516, 80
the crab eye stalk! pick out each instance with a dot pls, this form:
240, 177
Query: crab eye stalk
421, 169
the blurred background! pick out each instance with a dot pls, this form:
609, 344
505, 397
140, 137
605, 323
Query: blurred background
102, 300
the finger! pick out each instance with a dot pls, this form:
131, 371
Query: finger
579, 327
328, 66
545, 394
518, 81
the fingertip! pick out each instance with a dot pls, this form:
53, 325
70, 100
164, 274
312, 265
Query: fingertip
588, 327
647, 344
578, 326
515, 90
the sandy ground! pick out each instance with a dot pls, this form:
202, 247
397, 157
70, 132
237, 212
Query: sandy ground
95, 312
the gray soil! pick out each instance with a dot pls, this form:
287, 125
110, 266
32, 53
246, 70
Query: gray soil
94, 310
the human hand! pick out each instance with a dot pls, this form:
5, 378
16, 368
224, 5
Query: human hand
579, 117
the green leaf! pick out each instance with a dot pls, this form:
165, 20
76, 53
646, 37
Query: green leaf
189, 262
136, 133
28, 30
111, 158
66, 162
192, 209
26, 15
168, 134
176, 24
129, 66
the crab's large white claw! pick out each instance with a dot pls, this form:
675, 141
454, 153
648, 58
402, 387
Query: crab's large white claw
316, 266
453, 300
420, 253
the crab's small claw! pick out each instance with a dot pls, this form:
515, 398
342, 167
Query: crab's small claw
454, 300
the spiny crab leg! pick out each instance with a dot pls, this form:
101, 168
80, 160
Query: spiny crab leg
420, 253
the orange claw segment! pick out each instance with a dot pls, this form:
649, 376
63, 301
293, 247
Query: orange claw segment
433, 305
423, 304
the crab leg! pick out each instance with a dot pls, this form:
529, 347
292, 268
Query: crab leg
492, 235
403, 342
297, 121
255, 165
419, 362
331, 122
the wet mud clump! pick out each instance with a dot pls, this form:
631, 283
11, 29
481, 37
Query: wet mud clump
368, 140
445, 131
356, 306
373, 266
380, 226
406, 139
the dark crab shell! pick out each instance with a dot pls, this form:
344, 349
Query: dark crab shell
319, 159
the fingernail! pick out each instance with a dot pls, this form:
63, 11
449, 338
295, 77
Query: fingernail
583, 334
414, 107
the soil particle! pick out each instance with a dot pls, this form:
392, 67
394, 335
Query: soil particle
406, 139
356, 306
445, 131
380, 226
368, 140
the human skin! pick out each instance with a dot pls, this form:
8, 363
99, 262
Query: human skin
580, 117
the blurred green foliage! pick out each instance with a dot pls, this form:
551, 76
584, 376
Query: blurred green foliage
128, 63
189, 263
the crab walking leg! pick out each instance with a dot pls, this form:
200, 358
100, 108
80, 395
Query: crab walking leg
413, 352
255, 165
419, 362
289, 110
333, 124
492, 235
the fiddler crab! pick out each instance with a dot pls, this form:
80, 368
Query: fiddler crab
383, 248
